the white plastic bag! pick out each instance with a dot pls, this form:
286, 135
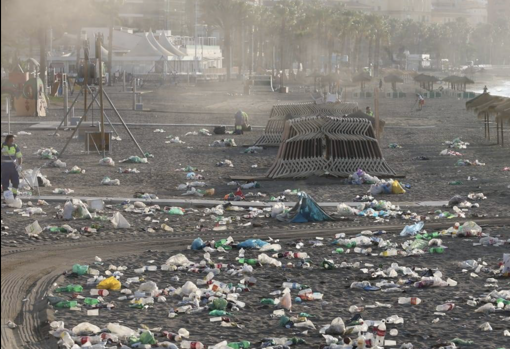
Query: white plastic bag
122, 331
178, 260
11, 201
68, 211
119, 222
33, 229
85, 328
189, 288
277, 209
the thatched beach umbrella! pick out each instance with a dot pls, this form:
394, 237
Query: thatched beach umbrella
478, 101
362, 78
393, 79
426, 81
457, 82
486, 110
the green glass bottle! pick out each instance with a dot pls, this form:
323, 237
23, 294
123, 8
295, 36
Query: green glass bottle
218, 313
91, 301
70, 288
248, 261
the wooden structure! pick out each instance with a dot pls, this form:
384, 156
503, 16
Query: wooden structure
273, 134
458, 83
393, 79
486, 106
362, 78
323, 145
426, 81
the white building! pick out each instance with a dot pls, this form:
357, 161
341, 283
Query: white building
141, 53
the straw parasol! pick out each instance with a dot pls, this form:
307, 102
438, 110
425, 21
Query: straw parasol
393, 79
457, 82
426, 81
486, 110
362, 78
503, 115
478, 100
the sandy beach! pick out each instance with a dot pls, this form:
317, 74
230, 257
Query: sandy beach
420, 134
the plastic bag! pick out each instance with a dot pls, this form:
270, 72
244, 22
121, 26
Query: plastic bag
122, 331
147, 338
252, 243
176, 211
189, 288
265, 259
33, 229
80, 269
277, 209
337, 327
197, 244
469, 229
109, 181
119, 222
412, 229
396, 188
68, 211
178, 260
286, 302
85, 328
11, 201
107, 162
343, 209
111, 284
135, 160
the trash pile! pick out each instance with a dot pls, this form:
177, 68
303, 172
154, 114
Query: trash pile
457, 143
395, 146
175, 140
223, 286
448, 152
75, 170
466, 162
134, 160
47, 153
128, 171
224, 143
107, 162
108, 181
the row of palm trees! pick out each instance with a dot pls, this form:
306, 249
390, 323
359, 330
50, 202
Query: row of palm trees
293, 33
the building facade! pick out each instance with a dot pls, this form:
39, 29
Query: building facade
498, 9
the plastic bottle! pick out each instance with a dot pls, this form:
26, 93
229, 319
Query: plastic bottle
191, 345
218, 313
70, 288
389, 253
248, 261
409, 300
91, 301
438, 250
96, 292
445, 307
380, 334
239, 345
292, 285
67, 340
66, 304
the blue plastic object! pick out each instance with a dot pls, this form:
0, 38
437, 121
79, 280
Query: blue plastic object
197, 244
414, 229
307, 210
252, 243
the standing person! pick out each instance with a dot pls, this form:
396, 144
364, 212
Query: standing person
12, 159
485, 89
380, 84
421, 101
369, 111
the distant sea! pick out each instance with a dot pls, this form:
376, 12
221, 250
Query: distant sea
501, 88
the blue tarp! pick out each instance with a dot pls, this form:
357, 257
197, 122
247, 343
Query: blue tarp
307, 210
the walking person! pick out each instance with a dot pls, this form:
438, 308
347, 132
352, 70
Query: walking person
12, 160
369, 111
421, 101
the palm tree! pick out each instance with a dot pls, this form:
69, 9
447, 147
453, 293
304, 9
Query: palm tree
111, 7
224, 14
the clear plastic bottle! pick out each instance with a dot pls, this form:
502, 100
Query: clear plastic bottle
192, 345
409, 300
96, 292
291, 285
445, 307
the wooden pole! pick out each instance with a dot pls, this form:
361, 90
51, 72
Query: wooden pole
86, 77
99, 46
376, 110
